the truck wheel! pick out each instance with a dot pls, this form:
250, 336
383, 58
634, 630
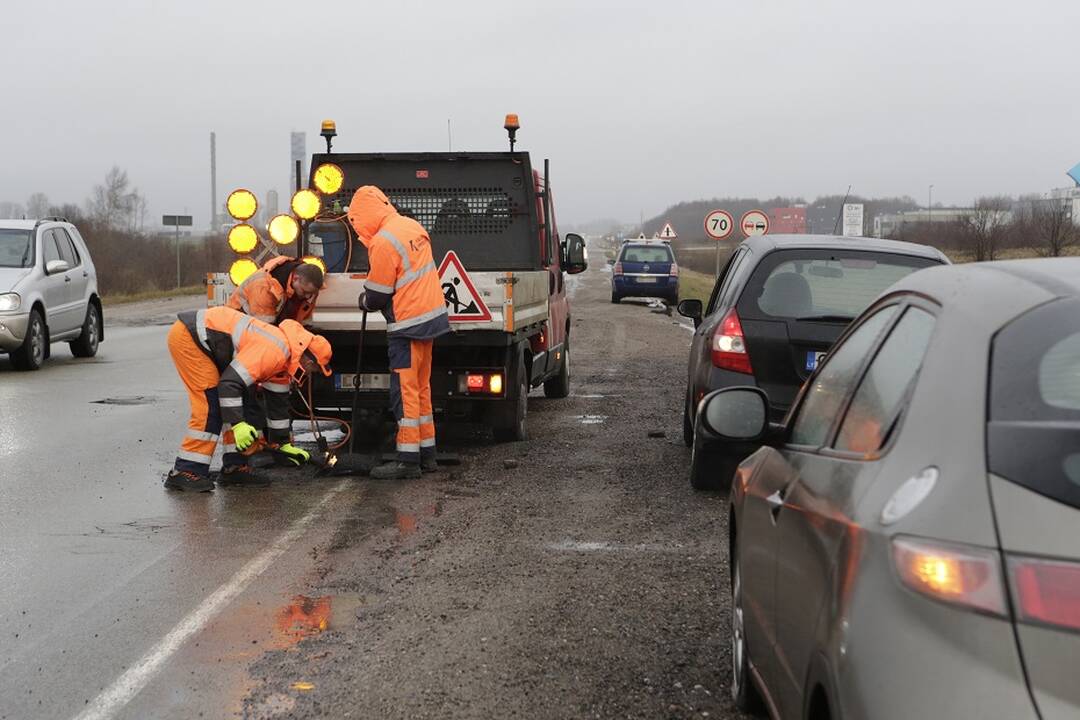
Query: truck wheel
512, 427
86, 345
31, 354
559, 386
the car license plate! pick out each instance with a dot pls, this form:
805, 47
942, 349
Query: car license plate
646, 279
368, 381
813, 359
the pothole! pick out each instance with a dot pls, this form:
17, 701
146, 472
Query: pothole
127, 400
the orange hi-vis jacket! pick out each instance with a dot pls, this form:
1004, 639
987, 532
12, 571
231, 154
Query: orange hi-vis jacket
267, 294
403, 281
245, 351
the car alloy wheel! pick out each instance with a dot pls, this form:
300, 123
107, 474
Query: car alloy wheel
738, 637
37, 340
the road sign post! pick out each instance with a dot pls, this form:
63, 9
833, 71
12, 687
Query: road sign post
718, 225
176, 221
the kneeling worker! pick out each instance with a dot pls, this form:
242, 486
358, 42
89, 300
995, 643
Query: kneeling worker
219, 353
404, 283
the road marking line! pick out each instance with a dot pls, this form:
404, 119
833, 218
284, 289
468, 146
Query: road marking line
128, 685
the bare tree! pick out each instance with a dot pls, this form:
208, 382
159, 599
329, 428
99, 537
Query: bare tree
116, 206
983, 231
1052, 225
37, 206
12, 210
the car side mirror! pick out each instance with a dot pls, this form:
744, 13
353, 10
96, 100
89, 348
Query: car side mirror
738, 414
574, 258
56, 266
692, 309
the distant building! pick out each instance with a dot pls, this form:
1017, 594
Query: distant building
297, 151
788, 220
889, 224
1069, 197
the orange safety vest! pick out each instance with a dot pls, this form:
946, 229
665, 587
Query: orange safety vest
267, 292
399, 254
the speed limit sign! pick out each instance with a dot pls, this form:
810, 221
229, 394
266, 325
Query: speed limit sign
719, 224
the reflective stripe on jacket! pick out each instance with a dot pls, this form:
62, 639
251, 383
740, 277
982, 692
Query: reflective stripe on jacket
246, 351
403, 280
268, 292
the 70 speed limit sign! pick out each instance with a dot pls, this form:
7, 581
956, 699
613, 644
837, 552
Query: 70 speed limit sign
719, 224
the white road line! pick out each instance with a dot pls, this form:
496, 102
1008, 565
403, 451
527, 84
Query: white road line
128, 685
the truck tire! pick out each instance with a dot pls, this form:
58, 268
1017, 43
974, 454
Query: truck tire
559, 386
86, 345
31, 354
511, 425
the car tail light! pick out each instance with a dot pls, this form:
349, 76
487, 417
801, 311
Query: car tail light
956, 574
729, 345
674, 270
617, 269
1046, 591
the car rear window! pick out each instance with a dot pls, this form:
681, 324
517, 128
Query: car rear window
646, 254
823, 283
16, 250
1033, 437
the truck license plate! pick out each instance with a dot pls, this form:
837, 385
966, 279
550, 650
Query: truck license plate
368, 381
813, 359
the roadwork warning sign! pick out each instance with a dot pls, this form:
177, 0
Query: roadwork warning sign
463, 302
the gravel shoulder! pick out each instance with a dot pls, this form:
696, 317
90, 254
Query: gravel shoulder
587, 580
161, 311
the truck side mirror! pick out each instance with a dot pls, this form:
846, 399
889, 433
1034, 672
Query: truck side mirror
575, 259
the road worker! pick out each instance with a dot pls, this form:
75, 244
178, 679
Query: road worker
284, 288
404, 283
219, 353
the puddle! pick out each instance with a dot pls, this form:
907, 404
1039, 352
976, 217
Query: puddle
127, 400
591, 419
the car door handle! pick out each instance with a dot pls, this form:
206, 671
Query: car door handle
67, 279
85, 274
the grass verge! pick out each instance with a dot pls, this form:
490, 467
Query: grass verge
121, 298
695, 285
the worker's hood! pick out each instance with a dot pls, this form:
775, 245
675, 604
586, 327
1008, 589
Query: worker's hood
368, 211
300, 340
10, 277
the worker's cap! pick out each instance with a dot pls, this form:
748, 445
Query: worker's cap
300, 340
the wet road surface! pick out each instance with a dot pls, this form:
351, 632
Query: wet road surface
586, 580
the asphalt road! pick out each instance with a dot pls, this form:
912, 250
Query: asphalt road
588, 580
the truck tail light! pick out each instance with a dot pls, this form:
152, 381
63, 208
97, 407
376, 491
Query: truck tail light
729, 345
474, 383
1046, 591
674, 270
617, 268
961, 575
483, 384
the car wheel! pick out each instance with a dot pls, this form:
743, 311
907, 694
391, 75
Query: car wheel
31, 354
559, 386
687, 423
703, 471
86, 345
514, 428
743, 692
615, 297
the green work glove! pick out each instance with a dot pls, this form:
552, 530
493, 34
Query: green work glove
295, 455
244, 435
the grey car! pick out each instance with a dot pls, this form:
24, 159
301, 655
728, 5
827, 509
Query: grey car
48, 291
906, 543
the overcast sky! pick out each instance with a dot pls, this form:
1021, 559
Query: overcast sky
638, 104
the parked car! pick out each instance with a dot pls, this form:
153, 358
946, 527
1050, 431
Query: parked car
48, 291
906, 544
777, 307
645, 268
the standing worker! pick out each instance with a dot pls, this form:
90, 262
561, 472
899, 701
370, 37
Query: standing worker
404, 283
284, 288
219, 354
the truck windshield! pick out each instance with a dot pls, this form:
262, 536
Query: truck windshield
16, 250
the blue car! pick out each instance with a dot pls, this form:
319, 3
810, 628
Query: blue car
645, 268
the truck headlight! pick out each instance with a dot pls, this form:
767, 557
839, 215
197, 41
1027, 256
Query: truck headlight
9, 302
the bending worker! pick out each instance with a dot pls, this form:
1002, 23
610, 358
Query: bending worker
404, 283
219, 354
284, 288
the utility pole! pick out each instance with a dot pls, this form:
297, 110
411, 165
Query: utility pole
213, 181
930, 204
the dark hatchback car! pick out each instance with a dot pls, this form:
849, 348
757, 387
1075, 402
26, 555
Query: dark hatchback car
645, 268
776, 309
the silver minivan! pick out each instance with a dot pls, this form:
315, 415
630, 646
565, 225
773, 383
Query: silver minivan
48, 291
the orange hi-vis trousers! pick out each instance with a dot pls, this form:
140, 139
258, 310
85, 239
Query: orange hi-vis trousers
201, 378
410, 397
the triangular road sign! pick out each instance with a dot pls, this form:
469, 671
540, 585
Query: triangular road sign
463, 302
668, 232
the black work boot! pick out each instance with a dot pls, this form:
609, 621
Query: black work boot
188, 481
396, 470
241, 475
429, 464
